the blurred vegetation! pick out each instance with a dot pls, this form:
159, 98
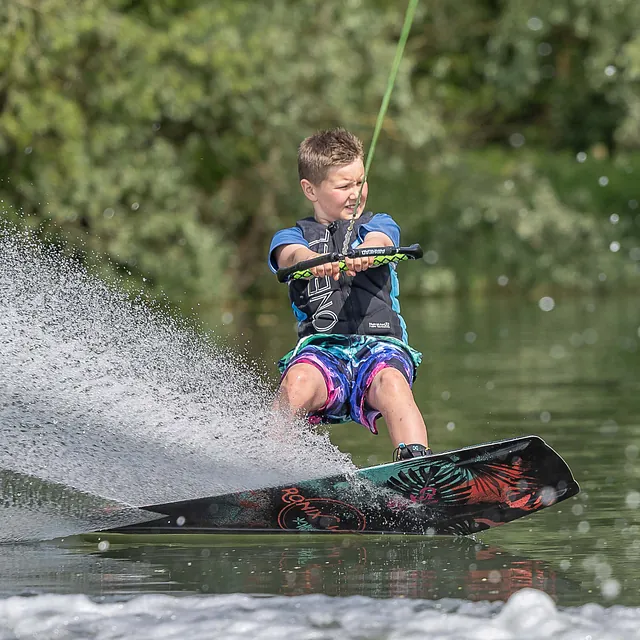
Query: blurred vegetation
162, 134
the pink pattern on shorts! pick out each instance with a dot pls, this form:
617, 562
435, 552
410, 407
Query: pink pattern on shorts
335, 391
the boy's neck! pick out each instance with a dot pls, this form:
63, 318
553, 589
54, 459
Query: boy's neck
327, 221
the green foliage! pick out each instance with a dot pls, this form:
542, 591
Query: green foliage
498, 220
163, 135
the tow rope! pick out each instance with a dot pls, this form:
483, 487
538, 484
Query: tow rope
408, 20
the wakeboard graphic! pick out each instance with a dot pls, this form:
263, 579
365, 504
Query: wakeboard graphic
454, 493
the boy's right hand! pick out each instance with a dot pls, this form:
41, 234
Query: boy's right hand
330, 269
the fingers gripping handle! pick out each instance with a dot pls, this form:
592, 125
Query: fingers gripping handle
382, 256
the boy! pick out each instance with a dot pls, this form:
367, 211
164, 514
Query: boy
352, 361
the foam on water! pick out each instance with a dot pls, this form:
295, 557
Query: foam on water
528, 615
122, 401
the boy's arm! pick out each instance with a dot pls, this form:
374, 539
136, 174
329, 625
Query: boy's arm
380, 231
286, 246
376, 239
290, 254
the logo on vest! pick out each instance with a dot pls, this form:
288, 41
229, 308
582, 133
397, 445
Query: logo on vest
379, 325
320, 290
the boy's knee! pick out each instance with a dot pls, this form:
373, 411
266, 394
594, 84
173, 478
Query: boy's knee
304, 387
388, 382
300, 375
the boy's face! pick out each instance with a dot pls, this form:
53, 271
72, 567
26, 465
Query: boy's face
335, 197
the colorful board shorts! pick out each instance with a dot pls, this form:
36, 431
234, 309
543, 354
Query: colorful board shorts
348, 364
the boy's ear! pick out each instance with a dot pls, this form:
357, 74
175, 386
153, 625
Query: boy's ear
309, 190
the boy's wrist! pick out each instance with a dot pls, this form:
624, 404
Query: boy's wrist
376, 239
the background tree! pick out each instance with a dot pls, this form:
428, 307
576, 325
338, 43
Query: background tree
162, 135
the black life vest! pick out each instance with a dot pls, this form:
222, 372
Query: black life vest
365, 304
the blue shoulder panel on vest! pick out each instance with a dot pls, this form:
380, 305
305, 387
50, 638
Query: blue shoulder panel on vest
292, 235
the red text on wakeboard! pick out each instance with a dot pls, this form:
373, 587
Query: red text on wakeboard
312, 514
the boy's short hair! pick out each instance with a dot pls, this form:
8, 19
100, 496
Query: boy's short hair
326, 149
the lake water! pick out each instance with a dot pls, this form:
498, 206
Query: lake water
492, 369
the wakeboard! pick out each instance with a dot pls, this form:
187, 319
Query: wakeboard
454, 493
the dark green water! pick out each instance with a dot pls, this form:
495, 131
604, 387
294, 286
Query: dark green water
500, 368
492, 369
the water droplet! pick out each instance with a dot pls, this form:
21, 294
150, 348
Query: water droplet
633, 500
431, 257
548, 496
610, 588
581, 156
557, 352
547, 303
494, 577
108, 213
180, 520
631, 451
503, 280
575, 340
584, 527
610, 70
451, 426
534, 23
103, 545
614, 218
227, 317
545, 49
516, 140
545, 417
603, 181
135, 206
614, 246
609, 428
28, 150
470, 337
445, 395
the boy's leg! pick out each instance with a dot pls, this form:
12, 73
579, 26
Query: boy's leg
382, 386
390, 394
314, 384
302, 390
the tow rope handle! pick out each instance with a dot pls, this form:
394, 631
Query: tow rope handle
382, 256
